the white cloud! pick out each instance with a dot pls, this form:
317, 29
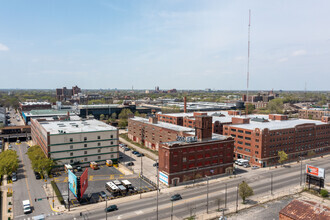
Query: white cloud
299, 53
284, 59
3, 47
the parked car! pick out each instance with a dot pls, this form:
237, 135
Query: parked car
10, 147
135, 152
126, 149
254, 167
14, 177
130, 164
18, 141
111, 208
176, 197
246, 165
140, 155
38, 177
155, 164
103, 194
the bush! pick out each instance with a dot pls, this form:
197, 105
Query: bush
324, 193
58, 193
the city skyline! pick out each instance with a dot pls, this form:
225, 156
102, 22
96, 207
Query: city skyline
170, 44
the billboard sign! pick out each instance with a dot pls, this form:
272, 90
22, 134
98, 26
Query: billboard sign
315, 171
72, 183
163, 177
83, 182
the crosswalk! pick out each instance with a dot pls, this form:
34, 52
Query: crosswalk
48, 216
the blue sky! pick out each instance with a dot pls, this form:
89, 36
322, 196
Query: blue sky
183, 44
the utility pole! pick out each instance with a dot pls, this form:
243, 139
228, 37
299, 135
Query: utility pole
237, 199
207, 195
271, 183
157, 187
68, 197
106, 206
226, 196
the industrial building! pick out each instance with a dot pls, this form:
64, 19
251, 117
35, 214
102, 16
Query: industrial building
28, 106
260, 139
76, 141
108, 110
197, 156
49, 113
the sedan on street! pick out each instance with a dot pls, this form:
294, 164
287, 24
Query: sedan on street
111, 208
176, 197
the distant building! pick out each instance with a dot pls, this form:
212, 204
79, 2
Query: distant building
203, 154
313, 113
46, 113
28, 106
76, 142
65, 94
304, 210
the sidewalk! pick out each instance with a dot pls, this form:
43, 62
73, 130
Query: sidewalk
5, 187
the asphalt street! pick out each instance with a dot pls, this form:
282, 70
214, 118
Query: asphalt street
28, 188
195, 197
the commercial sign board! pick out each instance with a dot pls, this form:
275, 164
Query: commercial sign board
163, 177
83, 182
315, 171
72, 183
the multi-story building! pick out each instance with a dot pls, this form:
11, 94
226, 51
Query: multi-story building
72, 142
28, 106
65, 94
313, 113
260, 139
193, 157
46, 113
151, 133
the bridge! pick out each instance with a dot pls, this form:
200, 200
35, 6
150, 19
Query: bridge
13, 133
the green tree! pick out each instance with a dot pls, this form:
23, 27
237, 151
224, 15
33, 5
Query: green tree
125, 113
283, 157
39, 161
276, 106
249, 108
114, 115
137, 114
8, 162
102, 117
244, 191
122, 123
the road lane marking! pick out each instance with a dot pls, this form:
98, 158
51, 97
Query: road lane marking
27, 184
90, 178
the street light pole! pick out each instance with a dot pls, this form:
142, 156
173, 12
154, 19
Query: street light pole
157, 187
172, 211
271, 183
226, 196
106, 206
141, 173
237, 199
207, 195
300, 170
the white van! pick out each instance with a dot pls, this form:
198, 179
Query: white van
26, 206
238, 160
242, 162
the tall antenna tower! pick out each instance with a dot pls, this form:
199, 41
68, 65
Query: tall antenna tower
248, 61
248, 67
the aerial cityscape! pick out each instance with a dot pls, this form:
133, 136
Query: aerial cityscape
175, 109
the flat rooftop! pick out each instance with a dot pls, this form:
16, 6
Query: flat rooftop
164, 125
47, 112
98, 106
55, 127
190, 140
35, 103
277, 125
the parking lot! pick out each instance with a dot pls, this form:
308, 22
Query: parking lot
96, 183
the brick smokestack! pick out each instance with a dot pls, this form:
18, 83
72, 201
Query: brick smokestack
203, 127
185, 104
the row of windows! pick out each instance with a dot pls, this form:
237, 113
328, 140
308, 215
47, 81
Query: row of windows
86, 152
98, 144
85, 138
98, 157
